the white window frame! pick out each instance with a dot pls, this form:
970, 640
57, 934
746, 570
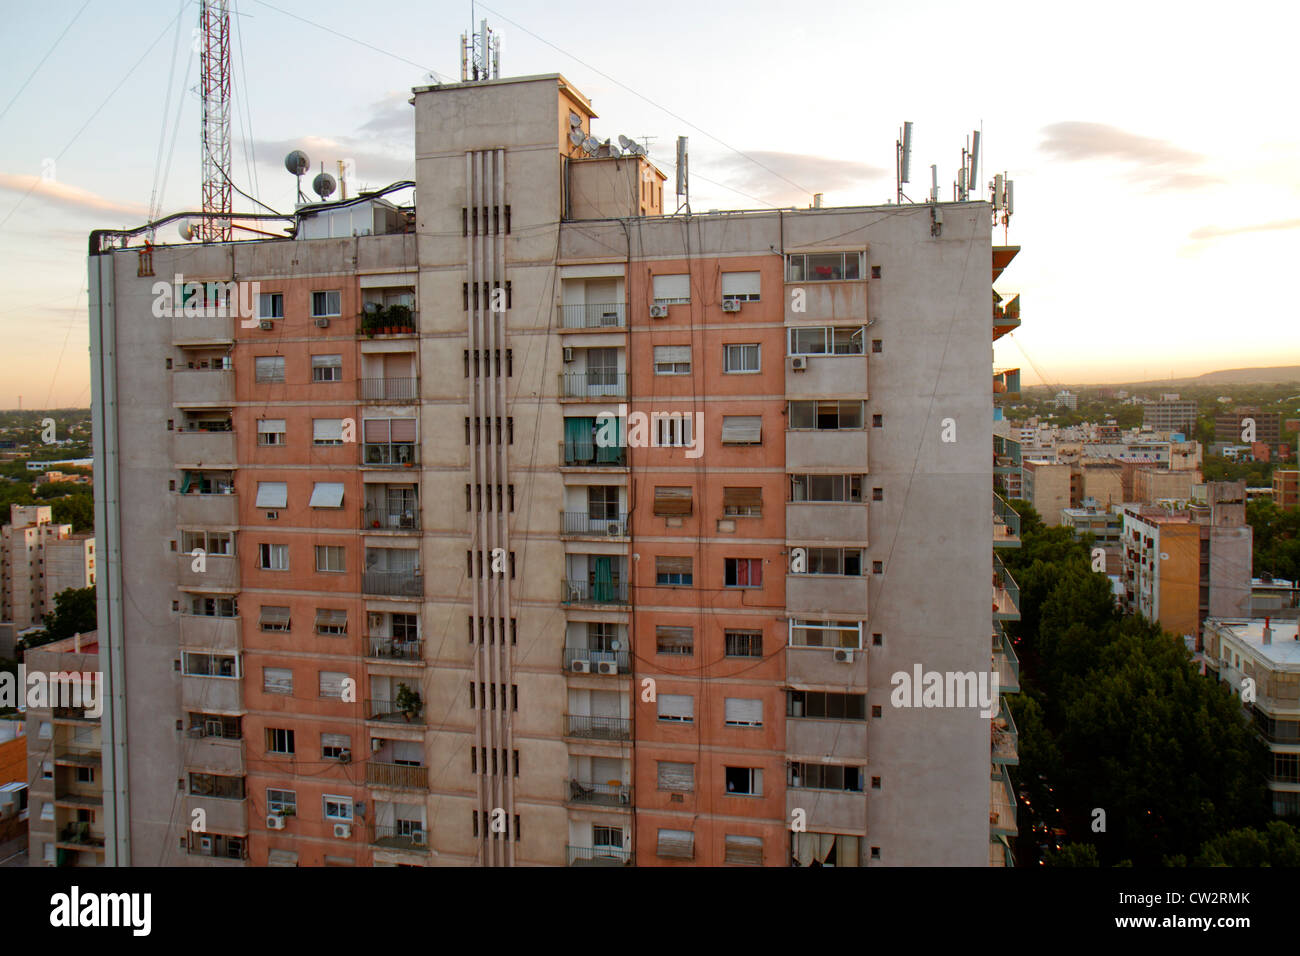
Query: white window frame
327, 368
324, 550
332, 306
283, 802
733, 355
668, 359
828, 349
272, 556
802, 259
270, 305
825, 628
342, 807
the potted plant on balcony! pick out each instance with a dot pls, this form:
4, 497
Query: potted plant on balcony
408, 702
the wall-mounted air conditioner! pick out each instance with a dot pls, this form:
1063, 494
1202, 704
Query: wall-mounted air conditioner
266, 325
730, 305
606, 667
322, 323
843, 656
798, 363
342, 831
658, 311
580, 667
274, 821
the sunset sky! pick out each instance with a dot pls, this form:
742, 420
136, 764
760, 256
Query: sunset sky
1154, 147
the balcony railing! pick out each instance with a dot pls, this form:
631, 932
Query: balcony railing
620, 659
593, 592
593, 315
80, 755
399, 838
394, 583
606, 526
390, 454
1006, 593
1002, 803
1005, 737
394, 320
600, 794
1005, 661
386, 710
396, 775
597, 728
389, 389
392, 648
593, 384
81, 834
1006, 523
392, 519
587, 454
599, 856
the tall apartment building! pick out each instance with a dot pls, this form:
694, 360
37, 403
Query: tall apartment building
1231, 427
538, 527
1170, 415
38, 559
1286, 488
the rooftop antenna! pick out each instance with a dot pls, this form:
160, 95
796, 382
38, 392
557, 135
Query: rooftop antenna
480, 54
683, 176
214, 93
298, 163
903, 160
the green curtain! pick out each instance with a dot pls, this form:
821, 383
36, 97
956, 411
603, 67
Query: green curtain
185, 485
577, 439
613, 453
603, 576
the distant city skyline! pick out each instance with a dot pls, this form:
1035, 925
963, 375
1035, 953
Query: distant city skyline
1157, 204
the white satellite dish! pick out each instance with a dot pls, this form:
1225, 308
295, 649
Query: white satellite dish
186, 229
576, 137
614, 151
625, 142
590, 145
574, 119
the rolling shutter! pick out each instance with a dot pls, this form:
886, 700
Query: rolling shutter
740, 283
742, 430
327, 429
676, 776
670, 500
272, 494
742, 498
744, 710
676, 707
672, 287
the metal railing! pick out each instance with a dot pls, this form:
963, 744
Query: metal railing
389, 389
594, 315
582, 522
1004, 657
1006, 523
587, 454
394, 583
391, 648
396, 775
621, 659
1005, 737
598, 856
390, 454
600, 794
593, 384
593, 592
399, 838
377, 709
385, 518
597, 728
1006, 593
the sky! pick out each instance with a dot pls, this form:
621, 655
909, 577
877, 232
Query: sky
1155, 147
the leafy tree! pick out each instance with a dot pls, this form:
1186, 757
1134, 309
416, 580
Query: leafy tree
1073, 854
1276, 539
1278, 844
74, 613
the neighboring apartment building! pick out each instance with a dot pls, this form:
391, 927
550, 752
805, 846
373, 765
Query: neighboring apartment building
433, 592
1286, 489
1184, 565
1266, 652
38, 559
1050, 488
1066, 399
1231, 427
66, 824
1170, 415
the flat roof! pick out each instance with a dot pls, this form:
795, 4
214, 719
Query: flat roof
1284, 650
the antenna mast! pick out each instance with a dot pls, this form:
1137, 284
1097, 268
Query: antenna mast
480, 55
903, 161
214, 91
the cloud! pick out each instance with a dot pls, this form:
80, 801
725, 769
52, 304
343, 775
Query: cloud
1215, 232
816, 173
392, 118
67, 196
1156, 162
373, 167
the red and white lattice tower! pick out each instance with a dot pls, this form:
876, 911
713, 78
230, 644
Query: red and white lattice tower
214, 91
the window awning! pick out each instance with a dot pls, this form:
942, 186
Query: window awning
742, 429
331, 617
742, 497
326, 494
272, 615
270, 426
671, 500
272, 494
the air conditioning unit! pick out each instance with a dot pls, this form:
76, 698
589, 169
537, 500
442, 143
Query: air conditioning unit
322, 323
730, 305
606, 667
658, 311
345, 756
843, 656
608, 318
418, 838
615, 528
580, 667
798, 363
342, 831
568, 356
376, 744
376, 621
274, 821
196, 732
266, 325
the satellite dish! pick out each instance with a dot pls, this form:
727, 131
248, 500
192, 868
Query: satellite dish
625, 142
323, 185
186, 229
614, 151
576, 137
636, 149
590, 145
297, 162
575, 120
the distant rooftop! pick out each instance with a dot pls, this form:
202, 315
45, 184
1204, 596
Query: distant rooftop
1284, 650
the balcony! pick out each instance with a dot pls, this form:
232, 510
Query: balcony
594, 315
1006, 316
589, 727
219, 571
390, 454
1005, 662
210, 631
387, 322
78, 755
1006, 593
826, 596
193, 508
592, 385
1006, 524
399, 838
393, 649
66, 796
822, 449
1005, 737
587, 454
588, 794
824, 375
387, 712
203, 386
817, 521
621, 660
203, 330
393, 391
838, 810
1006, 384
589, 592
396, 776
213, 449
385, 518
599, 856
818, 737
583, 524
74, 715
393, 583
1002, 803
80, 836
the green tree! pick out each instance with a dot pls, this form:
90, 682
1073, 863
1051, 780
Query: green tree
1073, 854
74, 613
1278, 844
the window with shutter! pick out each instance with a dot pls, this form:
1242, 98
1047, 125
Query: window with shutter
672, 289
272, 494
677, 844
676, 776
272, 618
331, 621
742, 430
672, 570
327, 431
331, 683
742, 502
744, 849
674, 640
679, 707
741, 285
672, 500
744, 711
326, 494
672, 359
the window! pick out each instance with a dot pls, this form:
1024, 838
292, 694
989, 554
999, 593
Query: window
823, 266
672, 289
826, 488
270, 305
743, 286
606, 837
743, 643
672, 359
829, 415
217, 785
332, 683
333, 745
826, 634
336, 808
219, 543
279, 740
217, 725
743, 572
327, 431
672, 500
743, 849
282, 802
326, 494
676, 776
824, 706
324, 303
277, 680
270, 431
272, 494
743, 781
209, 665
819, 776
825, 340
85, 775
742, 429
274, 557
268, 369
678, 707
741, 358
678, 844
846, 561
674, 640
331, 622
213, 606
743, 712
742, 502
327, 368
273, 618
329, 557
390, 441
672, 430
673, 571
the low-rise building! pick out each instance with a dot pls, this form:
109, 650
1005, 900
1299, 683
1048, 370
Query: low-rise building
1286, 489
